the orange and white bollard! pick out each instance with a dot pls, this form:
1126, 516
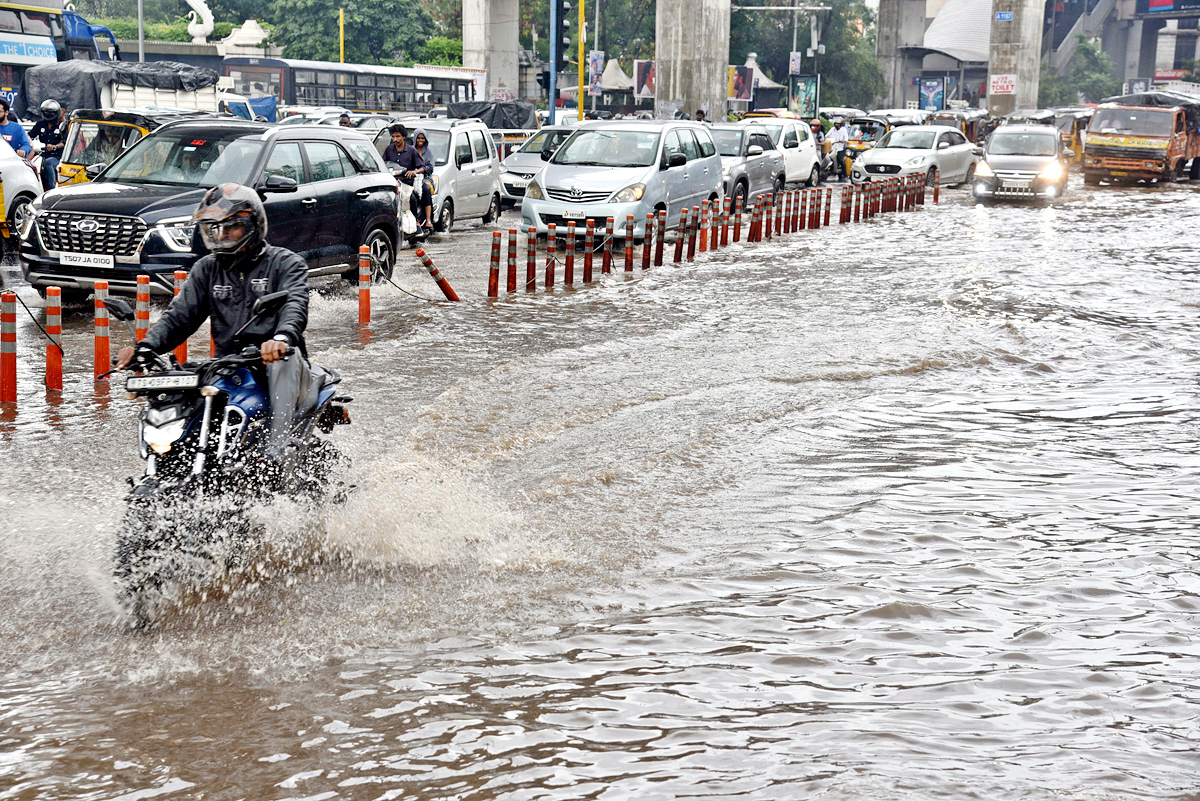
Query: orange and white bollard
919, 190
181, 352
648, 241
660, 231
725, 223
8, 347
493, 289
551, 254
828, 203
569, 263
442, 283
54, 354
629, 224
531, 260
738, 211
609, 233
681, 235
691, 242
364, 285
102, 343
714, 225
779, 213
141, 313
703, 227
767, 226
756, 220
589, 245
937, 184
511, 283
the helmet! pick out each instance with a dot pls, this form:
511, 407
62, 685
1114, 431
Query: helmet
815, 124
50, 108
232, 219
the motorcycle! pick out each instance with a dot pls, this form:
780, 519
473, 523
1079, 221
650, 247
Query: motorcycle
201, 434
409, 226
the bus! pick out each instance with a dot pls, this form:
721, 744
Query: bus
36, 32
358, 87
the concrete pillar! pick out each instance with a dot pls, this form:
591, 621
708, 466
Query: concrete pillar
1016, 51
490, 42
691, 54
901, 25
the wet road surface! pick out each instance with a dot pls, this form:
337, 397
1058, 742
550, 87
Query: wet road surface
898, 510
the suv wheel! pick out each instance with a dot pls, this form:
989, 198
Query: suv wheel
446, 216
778, 186
493, 212
739, 195
383, 255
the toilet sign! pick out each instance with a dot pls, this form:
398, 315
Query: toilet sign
1003, 85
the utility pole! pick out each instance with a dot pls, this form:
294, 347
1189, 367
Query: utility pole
141, 35
554, 45
596, 43
582, 44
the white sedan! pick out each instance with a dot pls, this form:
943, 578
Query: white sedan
926, 150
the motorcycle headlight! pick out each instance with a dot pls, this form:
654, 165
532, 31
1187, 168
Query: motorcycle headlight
984, 170
161, 438
1052, 172
534, 191
630, 194
177, 234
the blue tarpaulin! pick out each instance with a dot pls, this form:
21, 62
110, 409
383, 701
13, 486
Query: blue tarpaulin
265, 107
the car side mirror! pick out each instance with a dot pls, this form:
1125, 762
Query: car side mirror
978, 151
93, 171
943, 145
1069, 153
754, 150
279, 183
547, 154
676, 160
269, 304
461, 159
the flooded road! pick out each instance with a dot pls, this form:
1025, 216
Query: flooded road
897, 510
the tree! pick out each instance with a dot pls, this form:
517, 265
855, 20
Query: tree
1088, 79
376, 32
442, 51
447, 16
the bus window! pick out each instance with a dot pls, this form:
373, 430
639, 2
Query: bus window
35, 24
9, 21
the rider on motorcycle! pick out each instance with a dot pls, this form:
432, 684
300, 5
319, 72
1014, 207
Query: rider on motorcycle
51, 131
223, 286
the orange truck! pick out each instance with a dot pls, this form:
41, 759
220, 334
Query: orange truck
1149, 136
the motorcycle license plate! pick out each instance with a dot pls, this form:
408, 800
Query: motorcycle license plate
574, 215
1016, 184
143, 382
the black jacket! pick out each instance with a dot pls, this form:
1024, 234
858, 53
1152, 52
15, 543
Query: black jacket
228, 295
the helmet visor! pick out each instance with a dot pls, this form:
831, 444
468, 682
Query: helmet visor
228, 235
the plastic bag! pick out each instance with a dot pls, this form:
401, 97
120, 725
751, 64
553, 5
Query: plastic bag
408, 223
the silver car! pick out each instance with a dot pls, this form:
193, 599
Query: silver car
526, 161
616, 169
926, 150
750, 163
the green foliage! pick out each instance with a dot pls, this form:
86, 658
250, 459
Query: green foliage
849, 72
442, 51
1089, 78
375, 31
447, 16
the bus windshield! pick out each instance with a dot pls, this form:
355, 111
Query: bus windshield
183, 158
1134, 121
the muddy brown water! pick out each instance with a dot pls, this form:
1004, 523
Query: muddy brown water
901, 510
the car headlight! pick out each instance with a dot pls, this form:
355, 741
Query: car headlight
534, 191
984, 170
630, 194
27, 225
914, 161
1052, 172
177, 234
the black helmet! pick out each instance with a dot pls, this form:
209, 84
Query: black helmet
223, 210
50, 108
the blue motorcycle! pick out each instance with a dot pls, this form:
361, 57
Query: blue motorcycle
201, 434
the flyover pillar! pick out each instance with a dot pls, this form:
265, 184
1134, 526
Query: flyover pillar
1015, 62
490, 42
691, 54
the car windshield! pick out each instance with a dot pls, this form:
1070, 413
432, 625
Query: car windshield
729, 143
544, 140
908, 139
188, 158
1022, 144
1139, 122
609, 149
96, 142
775, 131
439, 143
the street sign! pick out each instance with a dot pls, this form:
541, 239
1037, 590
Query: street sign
1004, 16
1003, 85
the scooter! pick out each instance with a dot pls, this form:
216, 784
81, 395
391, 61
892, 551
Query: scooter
409, 227
201, 435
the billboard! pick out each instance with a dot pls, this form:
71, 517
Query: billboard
933, 94
1171, 8
740, 84
643, 78
595, 72
794, 63
804, 95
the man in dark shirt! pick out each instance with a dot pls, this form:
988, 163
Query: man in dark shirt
402, 153
51, 131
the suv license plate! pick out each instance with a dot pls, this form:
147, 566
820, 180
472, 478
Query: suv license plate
136, 383
574, 215
1016, 184
87, 259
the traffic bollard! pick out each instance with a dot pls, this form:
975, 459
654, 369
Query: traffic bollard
725, 222
531, 260
551, 252
738, 211
569, 263
511, 283
141, 312
101, 364
589, 245
648, 241
8, 347
493, 288
937, 184
691, 242
660, 238
606, 261
680, 235
828, 202
920, 190
779, 213
629, 243
442, 283
703, 232
364, 285
181, 276
714, 226
768, 217
54, 374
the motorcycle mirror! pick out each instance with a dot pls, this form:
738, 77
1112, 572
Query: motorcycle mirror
118, 308
269, 304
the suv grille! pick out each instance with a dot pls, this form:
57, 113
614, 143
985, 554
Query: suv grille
1139, 153
118, 236
567, 196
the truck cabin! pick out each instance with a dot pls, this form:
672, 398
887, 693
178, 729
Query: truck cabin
1154, 123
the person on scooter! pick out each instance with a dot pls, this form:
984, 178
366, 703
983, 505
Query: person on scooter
12, 132
410, 161
421, 143
51, 131
223, 286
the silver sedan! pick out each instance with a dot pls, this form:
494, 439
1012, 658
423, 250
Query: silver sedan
927, 150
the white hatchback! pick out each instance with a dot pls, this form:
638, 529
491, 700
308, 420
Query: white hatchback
21, 186
795, 141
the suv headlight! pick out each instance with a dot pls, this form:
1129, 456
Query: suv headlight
27, 225
1052, 171
534, 191
630, 194
984, 170
177, 234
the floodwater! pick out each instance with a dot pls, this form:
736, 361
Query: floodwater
899, 510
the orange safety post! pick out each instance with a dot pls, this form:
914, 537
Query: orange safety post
779, 213
714, 226
764, 232
661, 235
725, 222
828, 203
531, 260
691, 242
680, 235
606, 261
756, 218
738, 211
703, 227
8, 347
937, 184
102, 352
511, 283
442, 283
54, 374
629, 243
551, 253
814, 209
648, 241
919, 189
802, 210
569, 264
141, 314
589, 244
493, 289
364, 285
181, 276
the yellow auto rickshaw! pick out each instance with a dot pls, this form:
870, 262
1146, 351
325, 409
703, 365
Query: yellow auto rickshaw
972, 122
1072, 123
98, 136
866, 131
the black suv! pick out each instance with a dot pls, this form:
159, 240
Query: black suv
325, 190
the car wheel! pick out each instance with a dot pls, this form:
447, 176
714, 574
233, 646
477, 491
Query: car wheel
20, 211
931, 177
383, 255
777, 187
739, 195
814, 177
493, 212
445, 220
970, 174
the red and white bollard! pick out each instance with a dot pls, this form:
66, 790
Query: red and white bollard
8, 347
569, 263
629, 243
609, 233
442, 283
181, 276
493, 289
703, 232
725, 223
102, 343
531, 260
768, 217
660, 237
141, 313
54, 354
738, 211
648, 241
779, 213
551, 254
828, 203
937, 184
681, 235
511, 283
714, 225
589, 245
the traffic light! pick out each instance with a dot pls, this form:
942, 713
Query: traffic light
562, 32
543, 79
